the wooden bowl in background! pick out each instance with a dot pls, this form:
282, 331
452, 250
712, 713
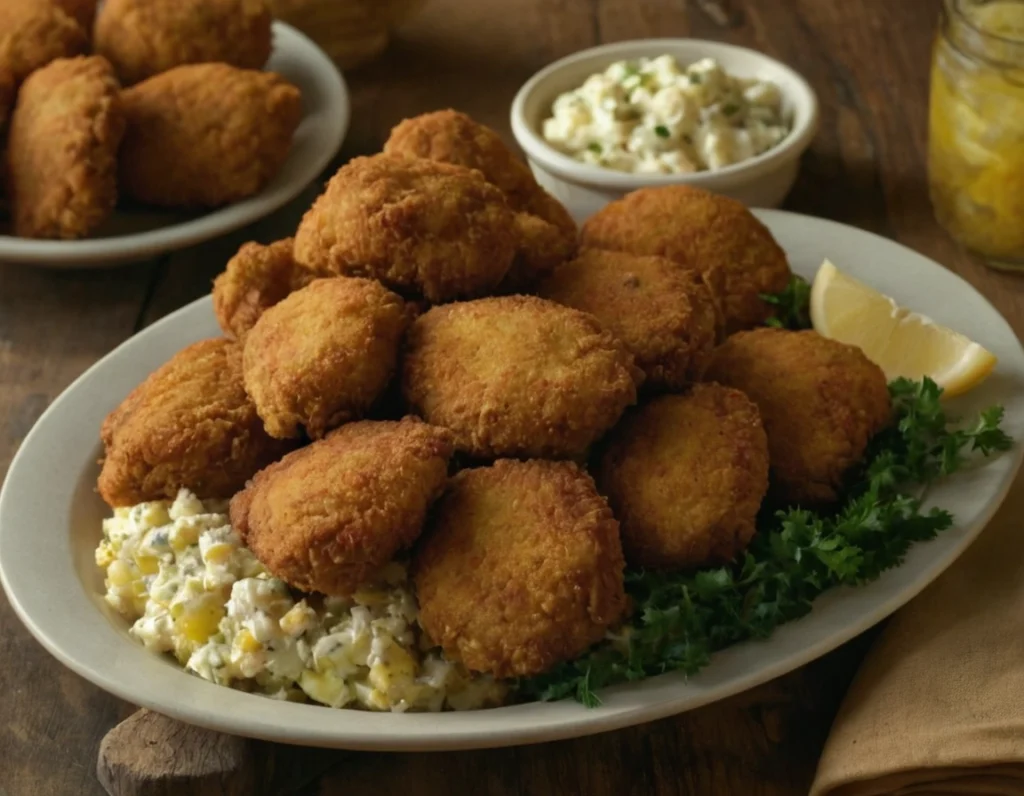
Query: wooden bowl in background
351, 32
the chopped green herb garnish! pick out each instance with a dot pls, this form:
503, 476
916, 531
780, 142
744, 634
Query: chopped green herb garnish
594, 147
661, 131
696, 78
792, 305
730, 108
680, 619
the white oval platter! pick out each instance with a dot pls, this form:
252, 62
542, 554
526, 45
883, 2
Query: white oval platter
50, 524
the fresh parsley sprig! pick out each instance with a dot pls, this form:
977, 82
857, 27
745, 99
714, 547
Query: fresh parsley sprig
680, 619
791, 305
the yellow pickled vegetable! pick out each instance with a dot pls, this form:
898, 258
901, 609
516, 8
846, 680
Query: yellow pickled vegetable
200, 620
976, 149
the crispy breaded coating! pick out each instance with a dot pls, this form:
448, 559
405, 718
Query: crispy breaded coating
206, 135
256, 279
661, 310
520, 569
323, 355
327, 517
685, 475
517, 376
452, 137
821, 402
421, 228
705, 231
190, 424
35, 32
83, 12
62, 149
448, 136
143, 38
542, 247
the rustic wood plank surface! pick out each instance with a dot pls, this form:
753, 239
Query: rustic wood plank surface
869, 63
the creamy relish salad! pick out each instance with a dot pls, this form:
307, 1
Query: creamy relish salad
653, 115
179, 572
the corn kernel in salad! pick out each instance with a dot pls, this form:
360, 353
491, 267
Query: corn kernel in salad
181, 574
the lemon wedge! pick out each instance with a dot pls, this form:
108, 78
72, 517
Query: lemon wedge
899, 341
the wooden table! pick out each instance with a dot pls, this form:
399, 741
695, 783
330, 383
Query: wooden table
868, 61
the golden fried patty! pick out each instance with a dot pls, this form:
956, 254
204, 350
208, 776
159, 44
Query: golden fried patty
35, 32
189, 425
821, 401
449, 136
705, 231
422, 228
517, 376
62, 149
205, 135
323, 355
142, 38
327, 517
662, 311
686, 475
548, 232
521, 568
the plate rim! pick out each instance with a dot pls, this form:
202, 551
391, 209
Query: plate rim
140, 246
474, 729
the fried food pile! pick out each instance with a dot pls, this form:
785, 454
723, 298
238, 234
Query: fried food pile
170, 110
437, 367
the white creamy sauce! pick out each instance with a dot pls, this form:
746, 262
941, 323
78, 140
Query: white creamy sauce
655, 116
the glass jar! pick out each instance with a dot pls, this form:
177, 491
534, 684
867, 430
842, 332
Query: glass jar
976, 138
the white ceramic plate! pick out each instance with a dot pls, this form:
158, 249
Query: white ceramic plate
50, 525
138, 234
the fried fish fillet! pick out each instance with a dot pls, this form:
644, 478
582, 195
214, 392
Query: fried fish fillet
190, 424
662, 311
517, 376
205, 135
685, 475
704, 231
520, 569
323, 355
35, 32
327, 517
62, 149
143, 38
422, 228
821, 402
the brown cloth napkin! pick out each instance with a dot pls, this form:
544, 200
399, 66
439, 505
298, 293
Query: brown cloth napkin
938, 706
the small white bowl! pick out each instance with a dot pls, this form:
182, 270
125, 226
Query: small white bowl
762, 181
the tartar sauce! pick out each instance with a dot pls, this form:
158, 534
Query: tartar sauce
180, 573
655, 116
